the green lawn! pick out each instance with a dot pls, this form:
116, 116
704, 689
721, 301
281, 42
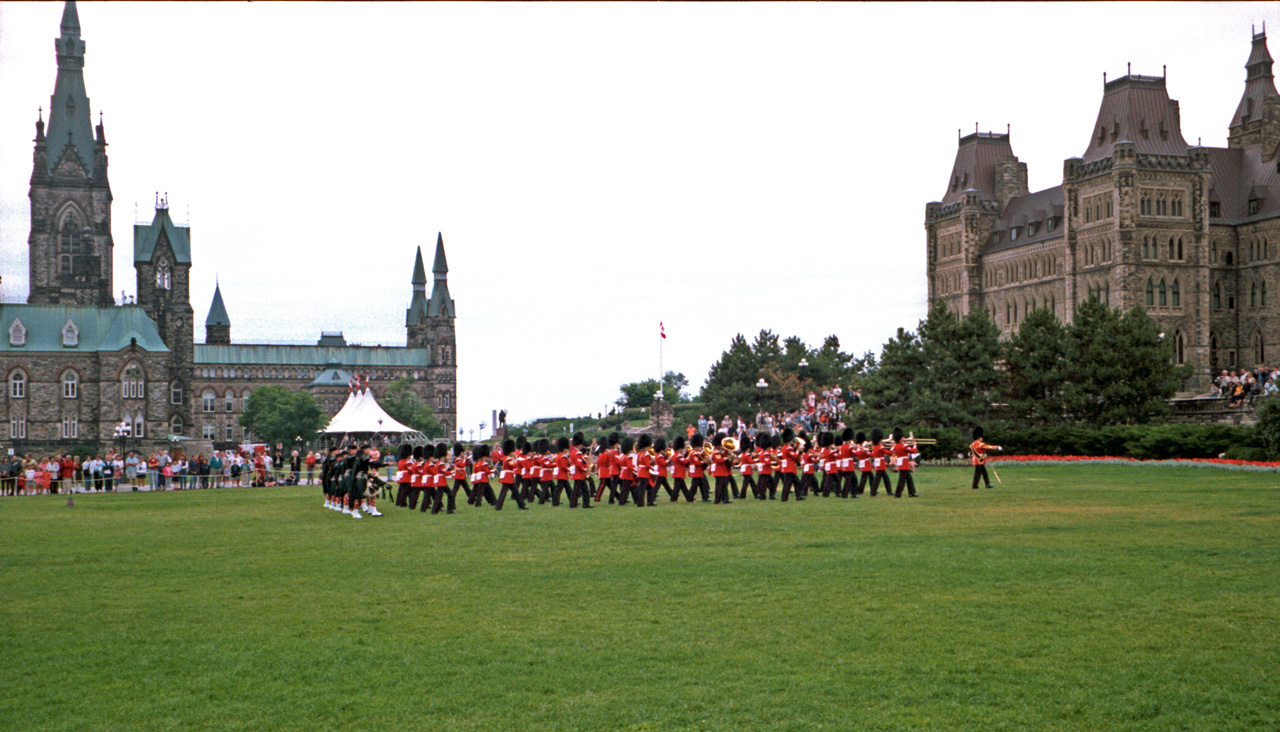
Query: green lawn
1070, 598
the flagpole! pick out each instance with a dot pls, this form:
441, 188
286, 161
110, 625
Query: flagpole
662, 336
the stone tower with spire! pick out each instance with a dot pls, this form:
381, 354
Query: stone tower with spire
1256, 122
217, 327
70, 242
430, 325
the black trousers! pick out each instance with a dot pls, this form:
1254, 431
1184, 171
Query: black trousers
733, 487
722, 489
662, 483
466, 489
441, 492
862, 484
581, 490
514, 490
545, 488
850, 483
789, 483
684, 489
825, 487
904, 478
561, 485
878, 476
980, 471
402, 495
700, 485
483, 492
769, 484
808, 482
656, 484
749, 483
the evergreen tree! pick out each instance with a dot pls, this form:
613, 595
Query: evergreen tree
1035, 358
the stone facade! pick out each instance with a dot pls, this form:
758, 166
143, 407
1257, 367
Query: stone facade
1190, 233
76, 364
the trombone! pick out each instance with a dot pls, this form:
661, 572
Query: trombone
922, 440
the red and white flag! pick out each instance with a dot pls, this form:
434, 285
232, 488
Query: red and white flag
351, 384
662, 330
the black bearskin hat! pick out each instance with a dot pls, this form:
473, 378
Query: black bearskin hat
839, 439
613, 439
645, 442
417, 452
458, 448
508, 446
825, 439
847, 434
777, 440
788, 434
897, 434
977, 433
660, 444
696, 441
677, 443
860, 438
808, 444
543, 446
442, 450
628, 444
521, 442
719, 438
876, 435
578, 439
562, 444
482, 452
746, 445
404, 452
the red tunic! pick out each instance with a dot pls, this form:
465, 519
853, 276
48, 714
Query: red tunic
719, 464
844, 458
878, 454
788, 460
562, 463
508, 474
644, 461
696, 466
628, 471
901, 456
460, 468
578, 465
661, 465
680, 461
979, 452
764, 459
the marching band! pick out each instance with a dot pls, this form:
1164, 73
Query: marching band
634, 470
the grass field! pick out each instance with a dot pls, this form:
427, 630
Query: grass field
1070, 598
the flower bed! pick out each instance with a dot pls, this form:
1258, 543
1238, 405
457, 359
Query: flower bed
1223, 463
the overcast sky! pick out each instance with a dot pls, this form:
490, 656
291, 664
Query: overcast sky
595, 168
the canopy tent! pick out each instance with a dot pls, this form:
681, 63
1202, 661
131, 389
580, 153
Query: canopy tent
362, 414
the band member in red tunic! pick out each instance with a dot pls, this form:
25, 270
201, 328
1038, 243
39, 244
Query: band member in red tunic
403, 478
507, 476
721, 467
661, 462
765, 463
579, 472
441, 481
697, 465
680, 470
846, 464
644, 471
809, 460
626, 470
787, 458
746, 464
904, 458
830, 468
879, 462
457, 471
862, 457
560, 471
978, 453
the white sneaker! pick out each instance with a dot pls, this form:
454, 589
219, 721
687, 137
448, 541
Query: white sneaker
373, 511
346, 509
355, 513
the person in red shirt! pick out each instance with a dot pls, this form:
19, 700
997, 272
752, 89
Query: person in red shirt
508, 475
809, 460
978, 452
721, 466
604, 467
827, 462
413, 471
747, 467
560, 471
861, 459
403, 478
579, 472
615, 470
680, 470
697, 465
627, 470
787, 459
441, 476
764, 462
67, 474
644, 471
661, 468
904, 457
846, 464
879, 462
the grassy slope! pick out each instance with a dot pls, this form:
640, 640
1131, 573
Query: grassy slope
1074, 597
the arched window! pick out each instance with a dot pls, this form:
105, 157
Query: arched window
17, 333
1176, 294
1151, 296
244, 402
207, 400
70, 428
1262, 293
1171, 249
1179, 248
231, 401
1213, 253
1106, 293
1162, 294
1217, 296
1253, 295
1146, 247
18, 385
175, 393
70, 385
1179, 347
1259, 354
139, 428
164, 276
70, 334
71, 243
1230, 258
176, 425
132, 383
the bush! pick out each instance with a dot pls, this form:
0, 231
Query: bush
1257, 454
1147, 442
1268, 429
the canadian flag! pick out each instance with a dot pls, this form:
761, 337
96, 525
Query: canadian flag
662, 330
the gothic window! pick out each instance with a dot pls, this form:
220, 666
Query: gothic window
1162, 293
18, 428
1175, 294
175, 424
1179, 248
1144, 203
1151, 297
1262, 293
70, 428
139, 428
231, 402
175, 393
1146, 247
18, 385
244, 401
207, 401
1215, 209
1213, 253
1013, 234
1110, 211
1217, 296
1254, 205
164, 276
1230, 258
70, 334
1179, 352
132, 383
207, 430
126, 424
1258, 351
228, 436
1171, 249
17, 333
1106, 293
1177, 204
1253, 295
70, 243
70, 385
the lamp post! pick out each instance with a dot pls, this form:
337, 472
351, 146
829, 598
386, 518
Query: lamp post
472, 433
482, 430
761, 385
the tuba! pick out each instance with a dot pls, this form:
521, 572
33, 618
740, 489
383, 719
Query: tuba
729, 444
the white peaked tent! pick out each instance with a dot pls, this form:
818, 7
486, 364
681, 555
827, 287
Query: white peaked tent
362, 413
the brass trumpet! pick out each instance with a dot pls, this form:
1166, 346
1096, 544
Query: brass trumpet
729, 444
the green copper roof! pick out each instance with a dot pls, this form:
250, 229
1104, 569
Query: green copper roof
440, 303
347, 356
217, 311
332, 377
145, 237
98, 329
440, 267
69, 122
419, 272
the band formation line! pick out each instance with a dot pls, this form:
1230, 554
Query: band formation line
633, 470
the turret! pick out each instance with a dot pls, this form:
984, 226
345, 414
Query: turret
1256, 122
217, 327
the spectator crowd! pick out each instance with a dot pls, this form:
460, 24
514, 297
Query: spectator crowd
820, 411
1241, 387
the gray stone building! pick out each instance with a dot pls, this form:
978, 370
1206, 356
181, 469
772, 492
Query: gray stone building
1191, 233
77, 365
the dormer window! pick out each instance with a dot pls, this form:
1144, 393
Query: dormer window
1031, 229
1013, 234
1254, 205
17, 333
1215, 209
1143, 129
70, 334
1164, 131
1050, 224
